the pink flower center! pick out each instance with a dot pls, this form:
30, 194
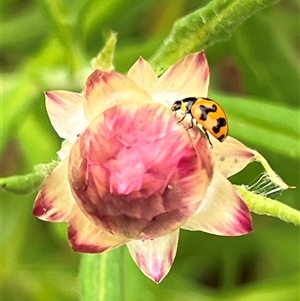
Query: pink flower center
134, 171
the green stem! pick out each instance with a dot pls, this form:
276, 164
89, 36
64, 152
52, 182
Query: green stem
203, 28
264, 206
28, 183
65, 29
101, 276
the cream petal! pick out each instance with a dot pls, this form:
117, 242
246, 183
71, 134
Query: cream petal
65, 110
86, 237
188, 77
222, 212
106, 89
55, 200
142, 73
155, 257
64, 150
167, 99
231, 156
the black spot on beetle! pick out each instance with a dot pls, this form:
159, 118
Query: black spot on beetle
205, 111
221, 138
221, 122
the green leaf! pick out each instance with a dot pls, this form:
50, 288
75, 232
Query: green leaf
64, 26
101, 276
15, 104
15, 39
205, 27
283, 288
268, 66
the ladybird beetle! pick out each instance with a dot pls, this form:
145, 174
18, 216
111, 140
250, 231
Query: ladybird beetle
207, 113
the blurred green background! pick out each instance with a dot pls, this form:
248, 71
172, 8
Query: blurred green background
254, 75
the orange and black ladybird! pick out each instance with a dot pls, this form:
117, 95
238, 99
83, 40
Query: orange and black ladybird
206, 112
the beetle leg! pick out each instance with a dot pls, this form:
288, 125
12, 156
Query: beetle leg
192, 124
205, 132
181, 118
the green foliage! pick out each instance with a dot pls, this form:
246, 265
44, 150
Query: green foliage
106, 274
254, 75
213, 23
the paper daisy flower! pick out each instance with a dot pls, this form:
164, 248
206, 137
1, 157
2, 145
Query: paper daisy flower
130, 174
